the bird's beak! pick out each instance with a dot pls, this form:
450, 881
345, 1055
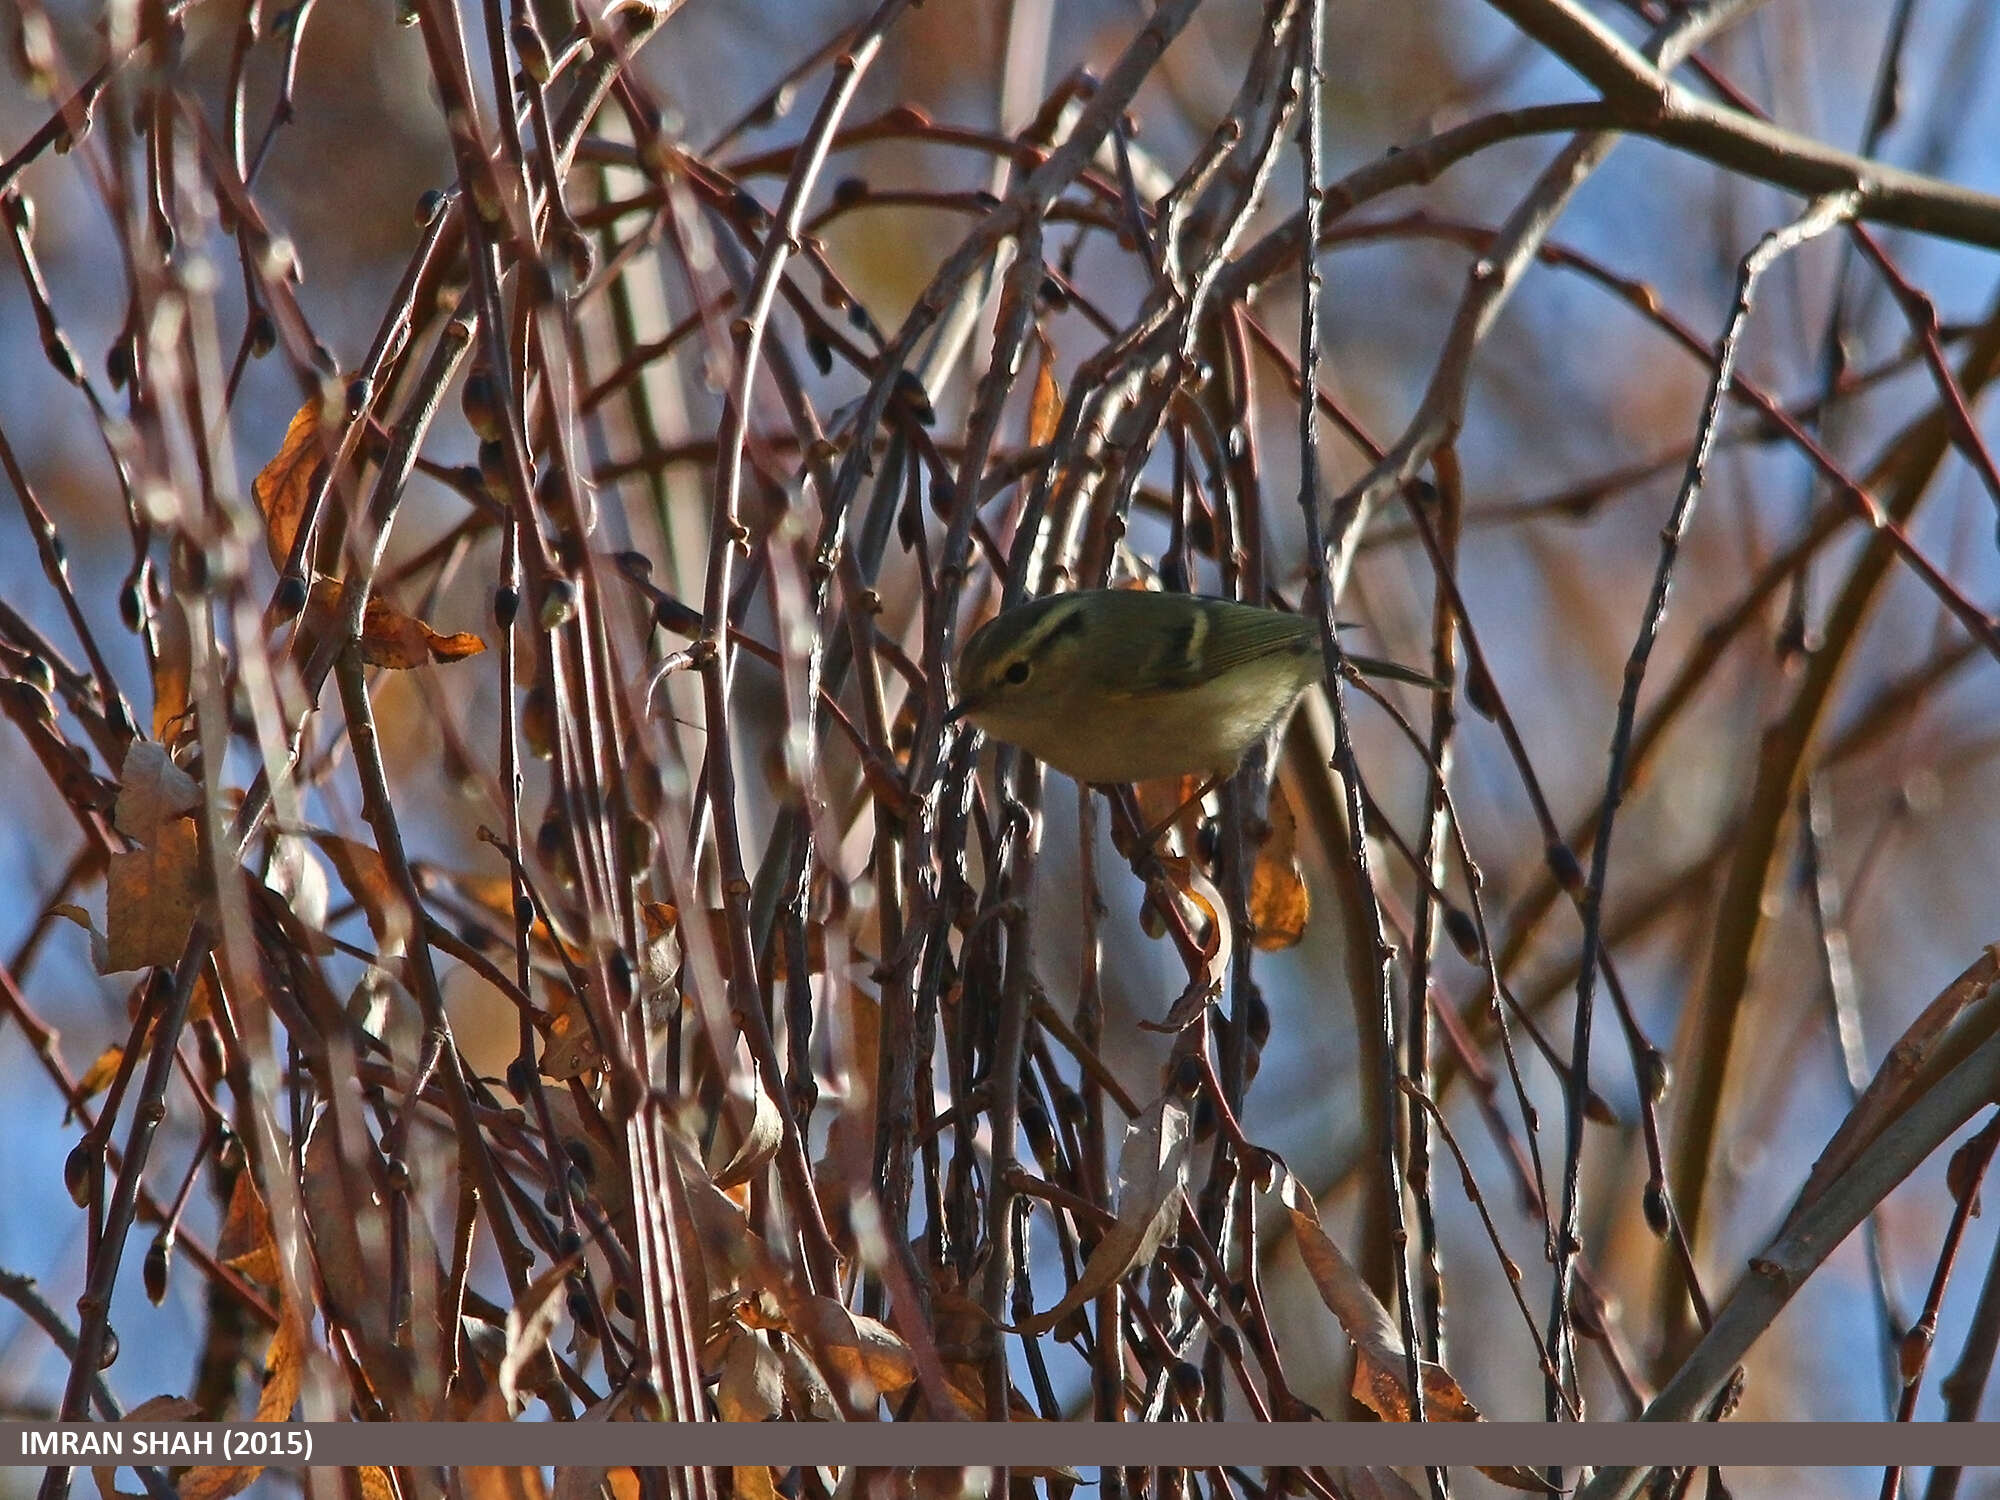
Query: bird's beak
957, 711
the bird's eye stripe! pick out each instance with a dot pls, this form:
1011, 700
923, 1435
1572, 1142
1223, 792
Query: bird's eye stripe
1064, 619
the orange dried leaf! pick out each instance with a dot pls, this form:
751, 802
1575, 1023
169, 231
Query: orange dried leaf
366, 876
246, 1243
1381, 1361
1279, 903
284, 1372
152, 897
1166, 797
1045, 410
97, 1077
375, 1484
864, 1353
390, 638
172, 662
284, 485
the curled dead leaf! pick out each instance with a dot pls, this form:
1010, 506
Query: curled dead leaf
530, 1323
284, 1372
389, 637
1183, 880
759, 1139
1168, 797
100, 949
861, 1352
1045, 410
1152, 1171
103, 1068
283, 487
1279, 902
1381, 1362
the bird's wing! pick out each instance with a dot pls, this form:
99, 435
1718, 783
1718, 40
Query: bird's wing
1210, 642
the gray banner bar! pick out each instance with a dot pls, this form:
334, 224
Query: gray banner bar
1073, 1444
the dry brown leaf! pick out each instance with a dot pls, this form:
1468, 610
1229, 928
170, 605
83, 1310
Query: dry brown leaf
1380, 1369
760, 1141
714, 1232
366, 876
1184, 880
349, 1238
569, 1049
659, 962
1279, 903
284, 1372
152, 791
284, 1368
530, 1322
100, 950
608, 1171
172, 663
297, 877
1166, 797
284, 485
246, 1243
390, 638
1152, 1169
623, 1484
152, 897
864, 1354
806, 1387
375, 1483
752, 1388
1381, 1364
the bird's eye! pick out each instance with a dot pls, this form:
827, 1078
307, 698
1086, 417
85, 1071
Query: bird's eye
1018, 673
